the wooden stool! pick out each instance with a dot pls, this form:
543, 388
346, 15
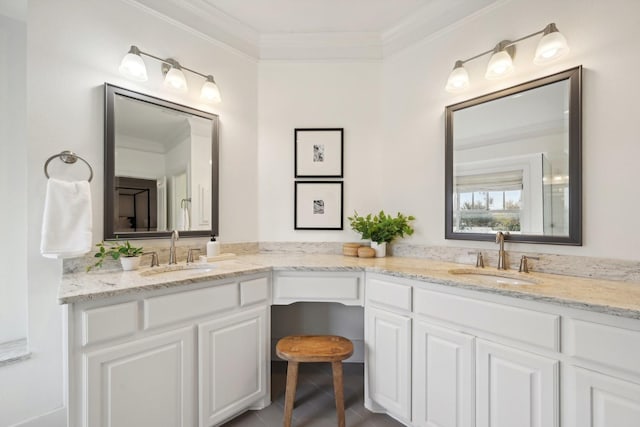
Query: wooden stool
313, 348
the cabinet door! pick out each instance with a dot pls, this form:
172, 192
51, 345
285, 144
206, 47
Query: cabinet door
388, 338
149, 382
443, 372
604, 401
515, 388
233, 364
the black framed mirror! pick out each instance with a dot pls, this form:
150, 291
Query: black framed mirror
161, 167
513, 163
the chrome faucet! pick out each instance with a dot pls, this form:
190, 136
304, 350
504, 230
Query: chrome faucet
479, 259
190, 258
172, 249
154, 258
524, 264
501, 253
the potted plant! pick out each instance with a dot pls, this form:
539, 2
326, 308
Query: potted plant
381, 229
128, 255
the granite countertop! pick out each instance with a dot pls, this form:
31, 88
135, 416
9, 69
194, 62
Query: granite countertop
609, 297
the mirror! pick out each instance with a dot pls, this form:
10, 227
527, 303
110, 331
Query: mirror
513, 163
161, 167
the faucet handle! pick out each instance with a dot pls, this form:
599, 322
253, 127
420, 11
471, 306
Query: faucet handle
524, 264
190, 254
479, 259
154, 258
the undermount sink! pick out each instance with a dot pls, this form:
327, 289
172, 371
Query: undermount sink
191, 268
495, 277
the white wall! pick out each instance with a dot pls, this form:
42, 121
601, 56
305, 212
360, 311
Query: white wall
74, 46
13, 188
139, 164
602, 37
317, 95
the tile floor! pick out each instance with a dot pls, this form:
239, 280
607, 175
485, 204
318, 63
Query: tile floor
315, 406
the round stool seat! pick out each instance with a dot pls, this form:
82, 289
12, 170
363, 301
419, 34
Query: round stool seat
314, 348
296, 349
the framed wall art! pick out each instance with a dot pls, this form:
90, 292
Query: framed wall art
318, 205
319, 153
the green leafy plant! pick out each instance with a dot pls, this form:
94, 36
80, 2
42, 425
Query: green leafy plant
115, 251
381, 227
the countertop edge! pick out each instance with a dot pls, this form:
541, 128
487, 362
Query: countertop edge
255, 268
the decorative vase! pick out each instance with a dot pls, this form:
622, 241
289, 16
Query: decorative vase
130, 262
380, 248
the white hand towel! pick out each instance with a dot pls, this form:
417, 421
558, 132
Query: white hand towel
66, 223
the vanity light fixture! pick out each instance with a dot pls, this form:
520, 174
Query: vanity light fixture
133, 66
551, 46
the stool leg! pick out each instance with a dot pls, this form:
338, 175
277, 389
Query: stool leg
338, 391
290, 392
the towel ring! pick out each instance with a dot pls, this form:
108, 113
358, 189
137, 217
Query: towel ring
68, 157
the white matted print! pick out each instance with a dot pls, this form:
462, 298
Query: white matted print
318, 205
318, 153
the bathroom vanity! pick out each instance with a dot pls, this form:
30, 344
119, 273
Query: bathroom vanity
442, 348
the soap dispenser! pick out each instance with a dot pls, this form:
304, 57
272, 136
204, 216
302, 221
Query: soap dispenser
213, 247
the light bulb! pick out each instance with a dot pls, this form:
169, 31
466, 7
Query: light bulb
552, 46
175, 79
133, 66
458, 79
500, 65
210, 91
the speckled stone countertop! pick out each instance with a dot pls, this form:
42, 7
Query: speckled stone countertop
609, 297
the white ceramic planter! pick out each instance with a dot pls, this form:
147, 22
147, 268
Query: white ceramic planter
130, 262
380, 248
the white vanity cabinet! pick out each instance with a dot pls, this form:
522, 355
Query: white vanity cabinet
343, 287
231, 360
183, 356
602, 378
435, 355
474, 362
443, 376
602, 400
388, 346
515, 387
149, 381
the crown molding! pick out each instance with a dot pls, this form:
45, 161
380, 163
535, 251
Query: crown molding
206, 22
210, 22
432, 18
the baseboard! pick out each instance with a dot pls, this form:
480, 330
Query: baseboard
55, 418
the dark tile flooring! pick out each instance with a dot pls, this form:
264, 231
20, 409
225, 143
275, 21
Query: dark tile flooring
315, 404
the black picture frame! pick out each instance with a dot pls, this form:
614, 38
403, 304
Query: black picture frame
309, 213
318, 152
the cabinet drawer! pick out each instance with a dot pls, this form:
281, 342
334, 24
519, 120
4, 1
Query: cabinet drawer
389, 294
254, 291
519, 324
172, 308
608, 345
113, 321
323, 287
